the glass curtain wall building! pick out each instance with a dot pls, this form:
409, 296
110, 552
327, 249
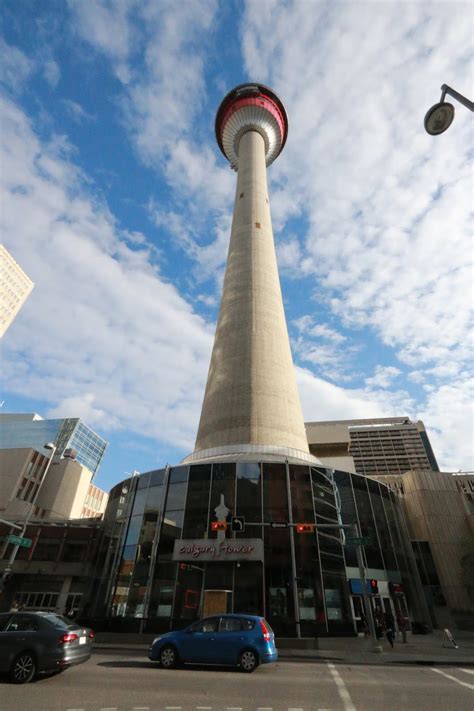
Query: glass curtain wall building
29, 430
310, 581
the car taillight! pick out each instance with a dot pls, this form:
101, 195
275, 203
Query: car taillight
91, 635
265, 632
68, 637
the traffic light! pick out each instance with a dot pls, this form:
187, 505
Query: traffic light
374, 586
218, 526
304, 527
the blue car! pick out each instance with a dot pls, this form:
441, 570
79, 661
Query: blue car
244, 641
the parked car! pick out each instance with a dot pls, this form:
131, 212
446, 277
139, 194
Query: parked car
244, 641
35, 642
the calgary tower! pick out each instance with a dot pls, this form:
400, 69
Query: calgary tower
251, 404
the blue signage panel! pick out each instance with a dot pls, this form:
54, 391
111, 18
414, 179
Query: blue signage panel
356, 586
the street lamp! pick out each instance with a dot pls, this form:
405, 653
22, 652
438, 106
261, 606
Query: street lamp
7, 572
440, 116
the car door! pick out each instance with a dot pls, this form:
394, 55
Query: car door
21, 632
198, 641
229, 641
5, 650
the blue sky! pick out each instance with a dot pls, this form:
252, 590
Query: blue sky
117, 203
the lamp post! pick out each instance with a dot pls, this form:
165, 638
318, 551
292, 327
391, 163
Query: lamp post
11, 560
440, 116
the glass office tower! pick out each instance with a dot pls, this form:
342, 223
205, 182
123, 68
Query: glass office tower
30, 430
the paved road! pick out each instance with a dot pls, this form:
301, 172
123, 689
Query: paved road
127, 682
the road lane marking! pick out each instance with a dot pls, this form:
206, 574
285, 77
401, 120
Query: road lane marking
468, 671
341, 688
453, 678
203, 708
234, 708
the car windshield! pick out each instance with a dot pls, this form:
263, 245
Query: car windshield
61, 623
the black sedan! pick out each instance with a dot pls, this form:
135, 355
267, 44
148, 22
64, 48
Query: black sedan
35, 642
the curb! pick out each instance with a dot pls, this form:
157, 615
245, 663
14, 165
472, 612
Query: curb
323, 658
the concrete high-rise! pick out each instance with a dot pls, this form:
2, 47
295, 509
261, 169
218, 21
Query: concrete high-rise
251, 404
15, 287
374, 447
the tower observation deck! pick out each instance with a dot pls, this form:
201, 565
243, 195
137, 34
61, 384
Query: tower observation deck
251, 406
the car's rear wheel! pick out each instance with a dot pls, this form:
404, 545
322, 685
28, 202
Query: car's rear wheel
248, 661
168, 657
23, 668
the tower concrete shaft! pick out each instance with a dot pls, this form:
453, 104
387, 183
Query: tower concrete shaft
251, 402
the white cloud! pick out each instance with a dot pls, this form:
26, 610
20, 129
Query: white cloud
105, 24
51, 72
15, 67
449, 417
321, 400
76, 111
388, 207
383, 377
104, 333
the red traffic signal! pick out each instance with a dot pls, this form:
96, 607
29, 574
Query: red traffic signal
305, 527
374, 586
218, 526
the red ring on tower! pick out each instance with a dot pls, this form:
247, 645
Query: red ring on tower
252, 95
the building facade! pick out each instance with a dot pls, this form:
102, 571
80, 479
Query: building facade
372, 447
70, 435
58, 572
65, 493
439, 510
166, 566
15, 287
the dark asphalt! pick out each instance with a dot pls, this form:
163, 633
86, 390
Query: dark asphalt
129, 682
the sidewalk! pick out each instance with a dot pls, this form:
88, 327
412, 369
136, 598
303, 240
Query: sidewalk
419, 649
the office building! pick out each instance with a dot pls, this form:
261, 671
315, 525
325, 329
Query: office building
70, 435
15, 287
372, 447
58, 571
439, 510
65, 493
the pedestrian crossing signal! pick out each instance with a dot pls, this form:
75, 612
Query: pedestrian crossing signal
304, 527
218, 525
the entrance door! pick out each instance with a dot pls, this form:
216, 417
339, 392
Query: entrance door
215, 602
358, 614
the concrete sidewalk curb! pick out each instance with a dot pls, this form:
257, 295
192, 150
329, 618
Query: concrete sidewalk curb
307, 656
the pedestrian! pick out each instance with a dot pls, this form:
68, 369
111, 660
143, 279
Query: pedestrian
365, 626
379, 623
402, 623
389, 627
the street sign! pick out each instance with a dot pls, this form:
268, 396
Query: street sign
18, 541
238, 524
357, 541
278, 524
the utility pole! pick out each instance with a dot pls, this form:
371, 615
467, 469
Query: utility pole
11, 560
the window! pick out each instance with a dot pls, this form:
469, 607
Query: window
209, 625
3, 622
250, 624
230, 624
22, 623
